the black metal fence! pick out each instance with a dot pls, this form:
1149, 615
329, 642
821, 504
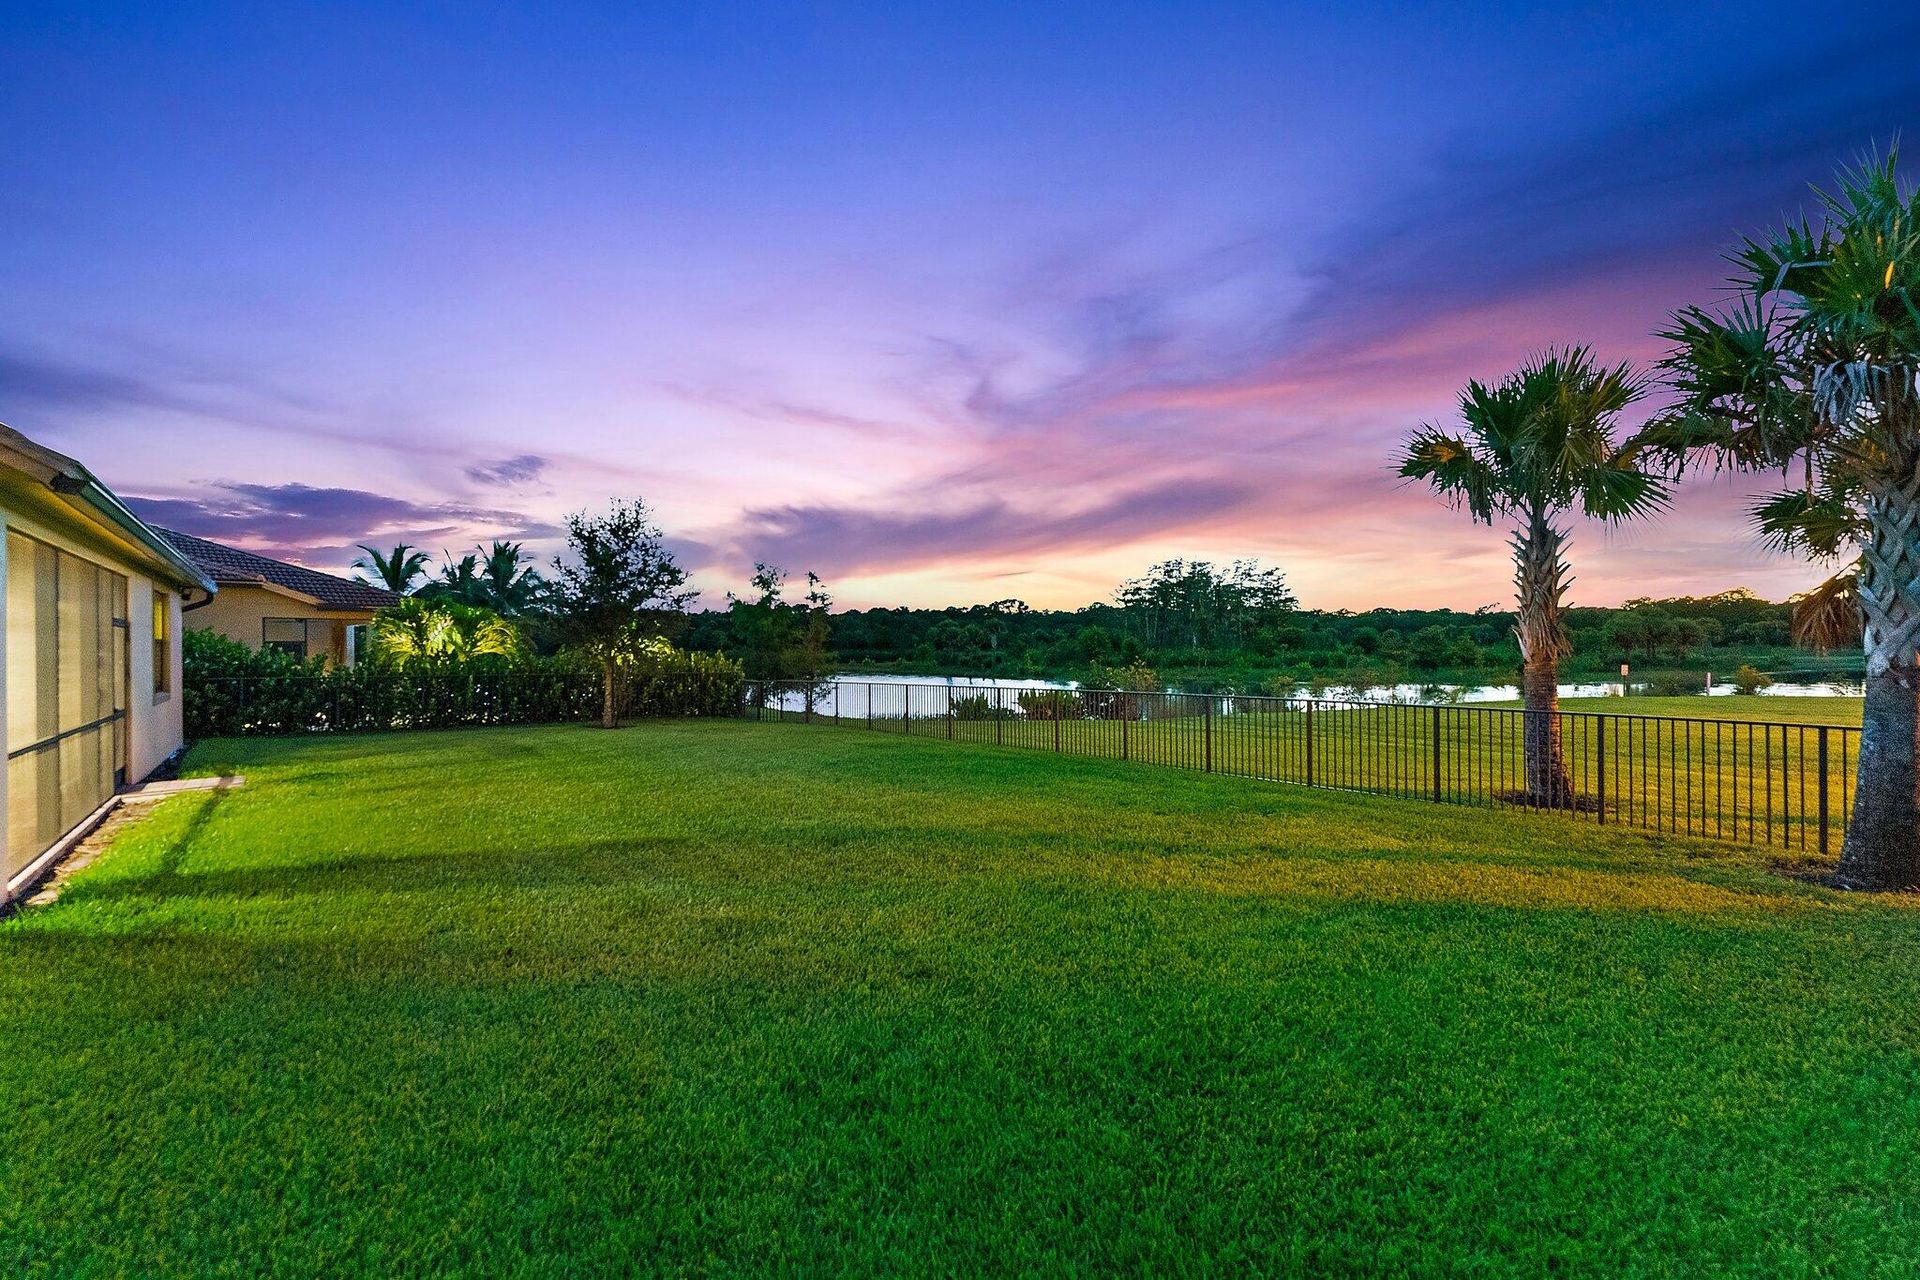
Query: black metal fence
1756, 782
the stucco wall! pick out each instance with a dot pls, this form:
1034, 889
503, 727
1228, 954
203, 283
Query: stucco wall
238, 611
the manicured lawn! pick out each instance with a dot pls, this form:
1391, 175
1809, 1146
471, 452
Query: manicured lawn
1731, 706
719, 997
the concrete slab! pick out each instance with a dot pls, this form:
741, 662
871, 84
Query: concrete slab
150, 791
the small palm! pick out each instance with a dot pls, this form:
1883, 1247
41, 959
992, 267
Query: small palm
1536, 446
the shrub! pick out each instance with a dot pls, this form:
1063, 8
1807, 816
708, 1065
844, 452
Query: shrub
232, 690
1749, 679
1051, 704
1280, 686
1134, 677
978, 706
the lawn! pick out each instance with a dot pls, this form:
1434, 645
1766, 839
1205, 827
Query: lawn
719, 997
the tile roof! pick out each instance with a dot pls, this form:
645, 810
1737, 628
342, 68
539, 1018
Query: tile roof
226, 564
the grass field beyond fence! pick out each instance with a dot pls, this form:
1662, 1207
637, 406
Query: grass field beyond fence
712, 997
1761, 774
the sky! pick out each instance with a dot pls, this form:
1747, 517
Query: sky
946, 303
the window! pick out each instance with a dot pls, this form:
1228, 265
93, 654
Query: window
284, 635
162, 645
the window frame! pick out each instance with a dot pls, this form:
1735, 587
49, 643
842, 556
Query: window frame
162, 645
286, 646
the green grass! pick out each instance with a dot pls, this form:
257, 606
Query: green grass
1732, 706
715, 997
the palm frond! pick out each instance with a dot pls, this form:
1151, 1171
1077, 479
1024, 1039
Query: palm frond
1454, 469
1820, 522
1622, 491
1828, 617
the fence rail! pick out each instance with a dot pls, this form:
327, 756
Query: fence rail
1789, 786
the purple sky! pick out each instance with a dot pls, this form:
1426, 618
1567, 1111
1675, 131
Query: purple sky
948, 304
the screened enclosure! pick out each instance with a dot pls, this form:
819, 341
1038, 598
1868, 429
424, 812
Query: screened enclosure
67, 677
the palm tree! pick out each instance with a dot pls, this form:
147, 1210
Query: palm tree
510, 584
459, 581
395, 571
419, 629
1538, 445
1814, 368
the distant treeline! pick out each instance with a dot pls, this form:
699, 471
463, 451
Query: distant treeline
1198, 625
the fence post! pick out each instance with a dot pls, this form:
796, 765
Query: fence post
1309, 741
999, 715
869, 704
1209, 733
1436, 755
949, 712
1600, 769
1126, 715
1059, 713
1823, 788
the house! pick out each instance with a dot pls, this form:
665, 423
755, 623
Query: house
91, 650
270, 604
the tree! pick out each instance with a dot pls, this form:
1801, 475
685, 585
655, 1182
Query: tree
459, 581
1815, 366
781, 641
1194, 604
508, 583
1644, 630
1538, 445
397, 570
423, 630
618, 589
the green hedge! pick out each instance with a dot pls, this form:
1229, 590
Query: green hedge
233, 691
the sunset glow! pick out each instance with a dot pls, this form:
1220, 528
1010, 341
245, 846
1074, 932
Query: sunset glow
946, 307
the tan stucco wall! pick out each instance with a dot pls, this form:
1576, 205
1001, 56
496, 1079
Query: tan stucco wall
238, 611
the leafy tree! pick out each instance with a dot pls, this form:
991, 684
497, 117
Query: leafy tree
1195, 604
1814, 366
617, 590
1538, 445
781, 641
397, 570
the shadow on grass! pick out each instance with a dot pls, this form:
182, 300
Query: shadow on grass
595, 863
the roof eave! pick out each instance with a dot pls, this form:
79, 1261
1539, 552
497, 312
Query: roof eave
75, 485
108, 504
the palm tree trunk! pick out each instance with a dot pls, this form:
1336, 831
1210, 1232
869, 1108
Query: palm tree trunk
609, 706
1540, 583
1882, 849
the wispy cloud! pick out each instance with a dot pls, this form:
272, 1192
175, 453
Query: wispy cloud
322, 526
520, 469
845, 540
